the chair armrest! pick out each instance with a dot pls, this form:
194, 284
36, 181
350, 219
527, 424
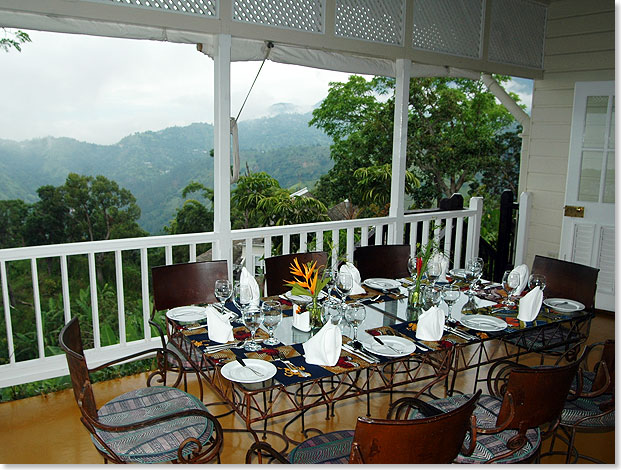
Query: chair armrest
261, 448
505, 424
355, 457
473, 437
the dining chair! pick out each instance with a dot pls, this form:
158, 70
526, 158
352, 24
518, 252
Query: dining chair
277, 269
433, 437
590, 406
178, 285
386, 261
154, 424
509, 420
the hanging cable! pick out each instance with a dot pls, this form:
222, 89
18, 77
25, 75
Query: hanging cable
269, 44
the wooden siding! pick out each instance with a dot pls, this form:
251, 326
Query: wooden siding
579, 47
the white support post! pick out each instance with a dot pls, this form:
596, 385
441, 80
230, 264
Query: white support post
399, 146
474, 228
521, 241
222, 149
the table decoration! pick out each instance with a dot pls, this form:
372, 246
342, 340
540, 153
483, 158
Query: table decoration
306, 281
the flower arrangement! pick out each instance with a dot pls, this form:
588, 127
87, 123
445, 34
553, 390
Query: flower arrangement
306, 281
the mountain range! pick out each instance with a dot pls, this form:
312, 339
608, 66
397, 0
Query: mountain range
156, 165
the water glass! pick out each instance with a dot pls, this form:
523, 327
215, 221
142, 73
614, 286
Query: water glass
412, 266
344, 284
223, 291
242, 295
431, 296
332, 311
272, 316
355, 315
331, 275
450, 294
252, 317
510, 282
537, 280
474, 270
434, 269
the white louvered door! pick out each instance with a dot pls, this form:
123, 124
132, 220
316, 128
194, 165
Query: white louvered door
588, 235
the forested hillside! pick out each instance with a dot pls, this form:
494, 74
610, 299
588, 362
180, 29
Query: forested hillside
156, 166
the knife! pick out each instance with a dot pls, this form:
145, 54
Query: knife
398, 351
243, 364
360, 354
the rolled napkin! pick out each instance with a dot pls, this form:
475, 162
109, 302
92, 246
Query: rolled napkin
444, 261
324, 349
301, 320
523, 271
219, 327
246, 278
430, 325
357, 288
530, 304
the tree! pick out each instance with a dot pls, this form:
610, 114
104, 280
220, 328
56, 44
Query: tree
193, 216
13, 40
47, 221
250, 190
13, 215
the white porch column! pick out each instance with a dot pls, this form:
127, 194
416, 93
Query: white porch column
222, 148
399, 142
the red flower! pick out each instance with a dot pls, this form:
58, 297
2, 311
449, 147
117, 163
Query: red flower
419, 266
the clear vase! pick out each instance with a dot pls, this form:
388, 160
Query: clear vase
315, 315
415, 302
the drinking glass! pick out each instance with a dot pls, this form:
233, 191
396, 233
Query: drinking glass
355, 315
412, 266
450, 294
332, 311
223, 291
431, 296
344, 284
242, 295
253, 317
434, 269
474, 269
537, 280
510, 282
331, 276
272, 316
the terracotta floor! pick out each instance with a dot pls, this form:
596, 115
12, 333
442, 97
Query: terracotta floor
47, 430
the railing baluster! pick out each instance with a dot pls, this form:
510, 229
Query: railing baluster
92, 276
7, 313
425, 237
364, 235
64, 281
379, 228
335, 247
169, 256
319, 240
303, 242
120, 295
350, 244
448, 236
250, 256
436, 231
413, 236
459, 233
37, 305
267, 250
144, 278
286, 244
192, 248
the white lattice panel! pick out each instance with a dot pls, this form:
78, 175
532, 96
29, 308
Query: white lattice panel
192, 7
371, 20
305, 15
517, 33
582, 248
449, 26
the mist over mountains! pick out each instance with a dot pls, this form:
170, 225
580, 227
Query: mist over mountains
156, 166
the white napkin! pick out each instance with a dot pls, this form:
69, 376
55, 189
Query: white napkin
443, 259
219, 327
301, 320
357, 288
246, 278
324, 349
523, 271
529, 305
430, 325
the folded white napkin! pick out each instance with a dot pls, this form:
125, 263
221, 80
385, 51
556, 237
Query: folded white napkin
247, 279
357, 288
324, 349
301, 320
530, 304
443, 259
523, 271
219, 327
430, 325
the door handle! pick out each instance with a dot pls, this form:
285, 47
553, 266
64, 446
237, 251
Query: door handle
574, 211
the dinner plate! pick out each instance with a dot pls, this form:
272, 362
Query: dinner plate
563, 305
402, 344
188, 313
483, 322
302, 299
235, 372
382, 284
459, 273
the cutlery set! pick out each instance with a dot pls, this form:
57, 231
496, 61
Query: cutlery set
461, 334
290, 365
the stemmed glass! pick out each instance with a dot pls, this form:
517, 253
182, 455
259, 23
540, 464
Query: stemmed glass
412, 266
450, 294
223, 291
474, 269
537, 280
332, 311
355, 315
344, 285
272, 316
431, 296
434, 269
242, 295
510, 282
253, 317
331, 275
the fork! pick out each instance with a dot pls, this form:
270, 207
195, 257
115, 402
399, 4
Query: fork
290, 365
243, 364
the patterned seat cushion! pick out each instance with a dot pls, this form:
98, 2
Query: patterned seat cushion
588, 409
333, 447
155, 443
487, 446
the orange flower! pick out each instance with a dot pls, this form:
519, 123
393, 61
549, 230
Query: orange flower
306, 277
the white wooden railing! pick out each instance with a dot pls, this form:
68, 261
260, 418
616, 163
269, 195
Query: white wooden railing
308, 237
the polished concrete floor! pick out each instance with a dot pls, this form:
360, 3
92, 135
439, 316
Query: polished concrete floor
47, 429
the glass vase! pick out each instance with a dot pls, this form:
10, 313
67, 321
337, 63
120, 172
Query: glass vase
315, 315
415, 302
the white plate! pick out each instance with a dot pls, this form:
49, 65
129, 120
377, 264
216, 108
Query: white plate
189, 313
563, 305
382, 284
483, 322
302, 299
459, 273
405, 345
234, 371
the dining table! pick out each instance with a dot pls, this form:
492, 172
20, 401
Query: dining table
276, 381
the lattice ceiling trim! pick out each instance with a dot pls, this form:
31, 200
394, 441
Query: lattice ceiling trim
371, 20
303, 15
191, 7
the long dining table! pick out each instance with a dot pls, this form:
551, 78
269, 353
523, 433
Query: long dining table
297, 386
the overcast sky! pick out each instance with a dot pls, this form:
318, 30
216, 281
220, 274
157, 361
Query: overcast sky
99, 89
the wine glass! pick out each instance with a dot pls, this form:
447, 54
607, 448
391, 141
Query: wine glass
537, 280
331, 276
431, 296
272, 316
344, 285
474, 269
355, 315
450, 294
510, 282
412, 266
434, 270
223, 291
253, 317
332, 311
242, 295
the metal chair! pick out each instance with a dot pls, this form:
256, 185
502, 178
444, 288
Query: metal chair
277, 269
433, 437
387, 261
149, 425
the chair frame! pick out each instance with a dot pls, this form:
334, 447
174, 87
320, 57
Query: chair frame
70, 341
